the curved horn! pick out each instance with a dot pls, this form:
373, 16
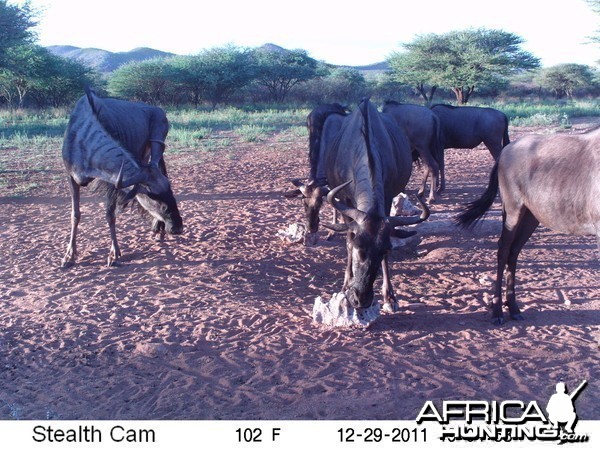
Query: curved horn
337, 227
139, 178
398, 221
353, 213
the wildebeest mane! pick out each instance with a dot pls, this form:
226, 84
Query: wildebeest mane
445, 105
315, 122
392, 103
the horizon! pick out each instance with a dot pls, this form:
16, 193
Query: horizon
551, 32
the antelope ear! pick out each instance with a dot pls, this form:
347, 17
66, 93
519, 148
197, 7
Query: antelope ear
132, 193
292, 194
296, 182
92, 99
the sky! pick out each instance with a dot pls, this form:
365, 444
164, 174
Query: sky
343, 32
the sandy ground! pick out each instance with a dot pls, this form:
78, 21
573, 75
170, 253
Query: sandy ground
216, 323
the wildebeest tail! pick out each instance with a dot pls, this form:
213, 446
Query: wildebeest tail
505, 139
475, 210
436, 141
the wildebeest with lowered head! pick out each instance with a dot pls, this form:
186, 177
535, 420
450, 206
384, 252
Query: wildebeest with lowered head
553, 180
323, 124
469, 126
367, 164
422, 127
120, 144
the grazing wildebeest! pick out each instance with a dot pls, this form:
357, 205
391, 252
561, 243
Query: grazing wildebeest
367, 163
120, 144
553, 180
422, 127
469, 126
323, 123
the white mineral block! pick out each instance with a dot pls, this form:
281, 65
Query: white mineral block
402, 206
294, 233
337, 312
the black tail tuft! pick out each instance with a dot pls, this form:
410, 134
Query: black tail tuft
477, 209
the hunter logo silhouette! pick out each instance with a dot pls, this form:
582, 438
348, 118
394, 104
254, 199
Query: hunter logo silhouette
561, 407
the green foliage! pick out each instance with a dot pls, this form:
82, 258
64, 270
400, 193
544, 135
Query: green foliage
46, 79
460, 60
343, 85
564, 79
213, 75
280, 70
252, 133
147, 81
15, 27
546, 113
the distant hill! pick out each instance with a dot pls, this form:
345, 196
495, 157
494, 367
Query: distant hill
104, 61
380, 67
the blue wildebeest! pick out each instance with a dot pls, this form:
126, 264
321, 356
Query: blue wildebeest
553, 180
469, 126
422, 127
323, 123
368, 162
119, 144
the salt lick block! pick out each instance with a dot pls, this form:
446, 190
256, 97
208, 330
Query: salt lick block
402, 206
337, 312
294, 233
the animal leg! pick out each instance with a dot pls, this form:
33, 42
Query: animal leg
526, 227
434, 171
348, 275
504, 244
426, 172
71, 254
115, 252
512, 216
495, 148
442, 172
390, 304
158, 230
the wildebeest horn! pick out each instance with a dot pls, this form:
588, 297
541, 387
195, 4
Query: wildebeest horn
348, 211
398, 221
139, 178
337, 227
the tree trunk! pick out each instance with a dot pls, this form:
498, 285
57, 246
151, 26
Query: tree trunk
428, 98
462, 94
459, 94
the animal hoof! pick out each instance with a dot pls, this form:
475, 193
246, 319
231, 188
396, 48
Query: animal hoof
311, 239
498, 321
67, 264
518, 316
114, 263
390, 307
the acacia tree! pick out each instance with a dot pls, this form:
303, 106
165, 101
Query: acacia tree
461, 61
46, 79
145, 81
215, 74
280, 70
23, 69
15, 27
563, 79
